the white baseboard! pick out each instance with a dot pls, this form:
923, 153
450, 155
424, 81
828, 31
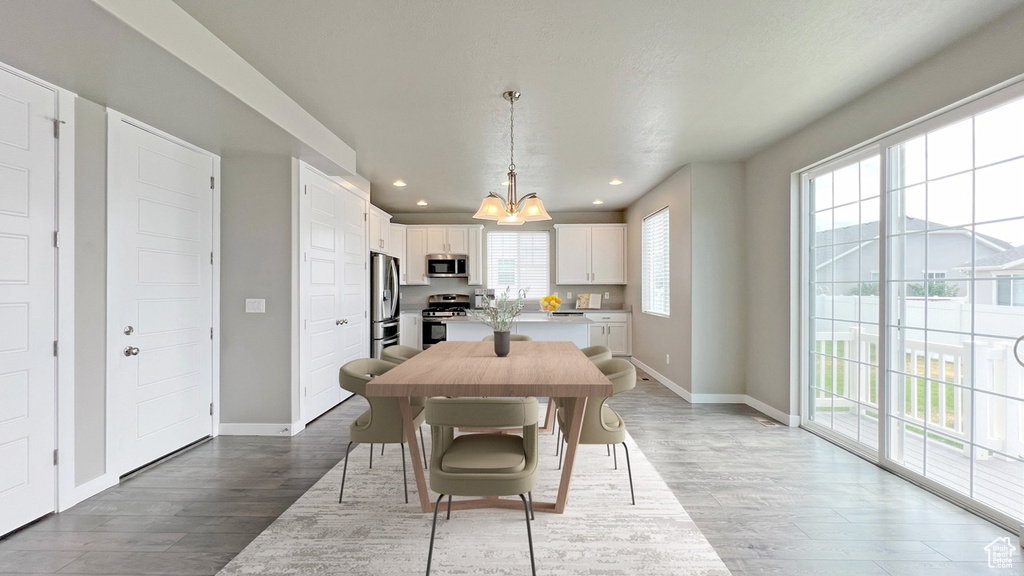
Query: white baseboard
788, 419
260, 429
679, 390
87, 490
791, 420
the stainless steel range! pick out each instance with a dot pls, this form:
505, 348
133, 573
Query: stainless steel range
440, 307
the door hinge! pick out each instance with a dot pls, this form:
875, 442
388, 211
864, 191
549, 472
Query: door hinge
305, 391
305, 189
56, 127
56, 457
56, 239
364, 216
212, 182
211, 408
55, 348
211, 332
211, 258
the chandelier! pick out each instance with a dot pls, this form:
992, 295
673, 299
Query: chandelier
512, 210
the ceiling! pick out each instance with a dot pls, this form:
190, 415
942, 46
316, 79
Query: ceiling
610, 89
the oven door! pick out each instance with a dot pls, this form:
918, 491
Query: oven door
434, 331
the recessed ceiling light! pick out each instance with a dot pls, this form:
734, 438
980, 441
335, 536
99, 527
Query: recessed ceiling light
598, 201
615, 182
421, 203
399, 183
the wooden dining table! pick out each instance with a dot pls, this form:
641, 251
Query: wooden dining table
539, 369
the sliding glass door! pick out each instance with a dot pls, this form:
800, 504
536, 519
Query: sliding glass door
956, 199
843, 332
938, 259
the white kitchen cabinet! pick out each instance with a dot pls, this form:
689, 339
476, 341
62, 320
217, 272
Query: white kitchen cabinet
447, 239
415, 256
396, 246
410, 329
590, 253
380, 230
475, 253
611, 329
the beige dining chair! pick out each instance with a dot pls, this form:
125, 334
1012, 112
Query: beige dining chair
382, 423
601, 424
597, 353
397, 354
511, 338
482, 464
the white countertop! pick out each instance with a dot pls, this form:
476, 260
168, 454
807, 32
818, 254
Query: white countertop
526, 319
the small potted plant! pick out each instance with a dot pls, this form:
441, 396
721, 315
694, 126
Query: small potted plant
499, 314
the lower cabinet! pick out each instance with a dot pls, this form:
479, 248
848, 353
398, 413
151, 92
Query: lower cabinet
410, 329
611, 329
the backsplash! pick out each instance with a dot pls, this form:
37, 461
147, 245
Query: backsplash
415, 297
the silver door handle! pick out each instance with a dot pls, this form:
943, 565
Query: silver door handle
341, 322
128, 330
1016, 351
131, 351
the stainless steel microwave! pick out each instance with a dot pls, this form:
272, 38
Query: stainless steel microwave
447, 266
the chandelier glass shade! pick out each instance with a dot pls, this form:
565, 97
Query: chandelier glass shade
512, 210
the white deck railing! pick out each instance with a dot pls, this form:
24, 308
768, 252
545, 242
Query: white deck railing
946, 372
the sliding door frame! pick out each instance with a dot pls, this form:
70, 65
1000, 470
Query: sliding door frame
1003, 93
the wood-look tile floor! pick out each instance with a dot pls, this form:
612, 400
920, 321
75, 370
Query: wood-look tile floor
771, 500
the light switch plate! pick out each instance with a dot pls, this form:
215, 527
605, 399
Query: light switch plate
607, 295
255, 306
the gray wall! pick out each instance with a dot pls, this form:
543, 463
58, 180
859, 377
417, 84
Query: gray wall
256, 256
90, 290
655, 336
719, 307
992, 55
417, 295
704, 334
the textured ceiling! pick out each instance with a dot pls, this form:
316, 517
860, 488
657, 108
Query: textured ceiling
611, 89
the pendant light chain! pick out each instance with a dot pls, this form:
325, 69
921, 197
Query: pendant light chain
512, 135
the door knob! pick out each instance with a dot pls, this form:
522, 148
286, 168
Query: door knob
131, 351
341, 322
128, 330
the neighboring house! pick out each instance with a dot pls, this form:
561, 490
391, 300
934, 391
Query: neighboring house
1007, 270
849, 255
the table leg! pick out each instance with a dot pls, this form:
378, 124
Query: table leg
414, 453
572, 436
549, 417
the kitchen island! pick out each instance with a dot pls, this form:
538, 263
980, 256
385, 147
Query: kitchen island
540, 327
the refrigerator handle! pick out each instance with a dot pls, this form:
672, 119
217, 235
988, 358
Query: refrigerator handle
393, 285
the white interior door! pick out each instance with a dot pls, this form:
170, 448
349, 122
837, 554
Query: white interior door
159, 293
332, 286
27, 301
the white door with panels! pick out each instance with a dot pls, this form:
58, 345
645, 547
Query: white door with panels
333, 296
160, 202
27, 301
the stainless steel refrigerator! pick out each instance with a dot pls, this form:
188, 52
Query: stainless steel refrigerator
384, 309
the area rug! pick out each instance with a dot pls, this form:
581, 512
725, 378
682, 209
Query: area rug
375, 533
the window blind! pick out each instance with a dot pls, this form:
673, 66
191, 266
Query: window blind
655, 263
520, 260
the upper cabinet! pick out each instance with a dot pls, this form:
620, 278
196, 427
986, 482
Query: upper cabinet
396, 245
447, 239
423, 240
475, 253
415, 268
380, 230
590, 253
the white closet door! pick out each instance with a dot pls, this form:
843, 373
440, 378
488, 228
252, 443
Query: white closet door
332, 288
27, 301
159, 293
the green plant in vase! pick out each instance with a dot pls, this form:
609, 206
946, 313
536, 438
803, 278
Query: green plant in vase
499, 314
